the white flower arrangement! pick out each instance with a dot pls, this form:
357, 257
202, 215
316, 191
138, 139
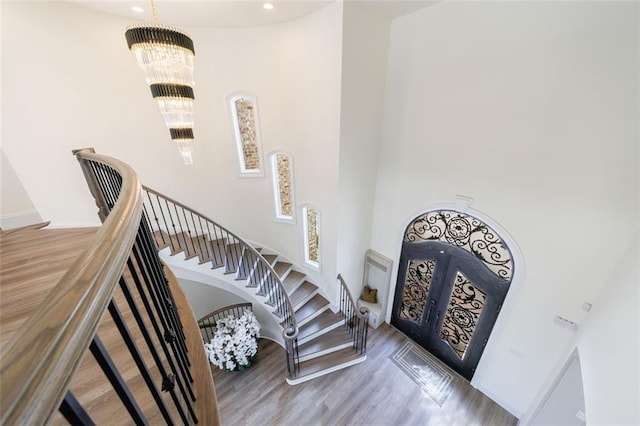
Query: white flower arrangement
235, 342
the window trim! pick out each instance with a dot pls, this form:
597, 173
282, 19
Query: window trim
275, 184
231, 101
305, 236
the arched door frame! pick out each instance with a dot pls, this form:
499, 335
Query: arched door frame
462, 205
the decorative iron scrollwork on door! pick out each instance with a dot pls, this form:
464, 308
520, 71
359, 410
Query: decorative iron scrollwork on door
416, 289
465, 306
466, 232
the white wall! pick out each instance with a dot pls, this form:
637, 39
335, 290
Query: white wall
70, 81
364, 56
609, 346
16, 208
205, 298
530, 109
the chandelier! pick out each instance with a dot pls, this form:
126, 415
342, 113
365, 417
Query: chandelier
165, 54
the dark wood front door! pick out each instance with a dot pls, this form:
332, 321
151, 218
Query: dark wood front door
447, 301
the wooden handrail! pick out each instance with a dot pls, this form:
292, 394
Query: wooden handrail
352, 312
346, 289
38, 364
226, 308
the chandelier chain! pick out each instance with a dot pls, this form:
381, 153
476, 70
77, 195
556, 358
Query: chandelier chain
154, 11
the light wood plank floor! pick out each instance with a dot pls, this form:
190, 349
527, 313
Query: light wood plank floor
31, 264
375, 392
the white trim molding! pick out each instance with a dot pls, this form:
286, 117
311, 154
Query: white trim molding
280, 216
233, 112
19, 219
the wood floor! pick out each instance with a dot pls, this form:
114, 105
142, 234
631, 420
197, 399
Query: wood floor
31, 264
375, 392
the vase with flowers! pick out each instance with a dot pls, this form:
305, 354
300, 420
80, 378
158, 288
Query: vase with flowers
235, 342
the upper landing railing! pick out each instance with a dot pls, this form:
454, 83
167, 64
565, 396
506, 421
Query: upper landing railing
37, 367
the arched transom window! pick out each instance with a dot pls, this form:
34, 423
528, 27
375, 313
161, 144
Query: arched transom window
466, 232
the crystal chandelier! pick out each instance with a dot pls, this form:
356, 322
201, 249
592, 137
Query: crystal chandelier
165, 54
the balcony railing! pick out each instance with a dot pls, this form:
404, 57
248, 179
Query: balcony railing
37, 367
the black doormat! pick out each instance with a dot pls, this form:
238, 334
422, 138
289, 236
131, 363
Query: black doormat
425, 370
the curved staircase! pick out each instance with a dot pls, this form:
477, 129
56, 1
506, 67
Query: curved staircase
326, 340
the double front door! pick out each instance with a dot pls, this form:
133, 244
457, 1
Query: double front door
447, 301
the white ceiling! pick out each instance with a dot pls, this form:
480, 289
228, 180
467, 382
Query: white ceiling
207, 13
236, 13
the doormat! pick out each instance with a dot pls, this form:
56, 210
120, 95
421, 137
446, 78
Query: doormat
432, 378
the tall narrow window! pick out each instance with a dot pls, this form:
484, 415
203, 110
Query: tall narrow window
244, 114
311, 219
282, 169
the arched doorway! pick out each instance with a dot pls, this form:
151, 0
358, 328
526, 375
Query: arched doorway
453, 276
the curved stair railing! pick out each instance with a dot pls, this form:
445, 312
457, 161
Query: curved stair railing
356, 320
38, 365
207, 323
182, 229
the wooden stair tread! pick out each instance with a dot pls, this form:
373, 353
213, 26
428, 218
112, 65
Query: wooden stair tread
281, 268
335, 337
270, 258
191, 245
314, 304
328, 361
319, 323
162, 239
292, 280
302, 292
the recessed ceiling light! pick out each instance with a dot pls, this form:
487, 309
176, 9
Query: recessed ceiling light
267, 6
137, 9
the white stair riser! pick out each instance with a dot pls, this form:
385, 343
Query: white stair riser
326, 351
326, 371
313, 315
305, 300
320, 332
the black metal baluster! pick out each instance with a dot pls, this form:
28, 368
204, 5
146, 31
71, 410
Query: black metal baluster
175, 209
108, 367
183, 384
137, 358
147, 256
173, 236
204, 251
156, 284
155, 216
75, 414
147, 337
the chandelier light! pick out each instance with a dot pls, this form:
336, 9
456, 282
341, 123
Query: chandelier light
165, 54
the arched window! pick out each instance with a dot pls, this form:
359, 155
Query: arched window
311, 227
244, 115
282, 175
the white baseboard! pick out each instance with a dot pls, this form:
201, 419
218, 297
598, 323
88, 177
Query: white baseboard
19, 219
507, 406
